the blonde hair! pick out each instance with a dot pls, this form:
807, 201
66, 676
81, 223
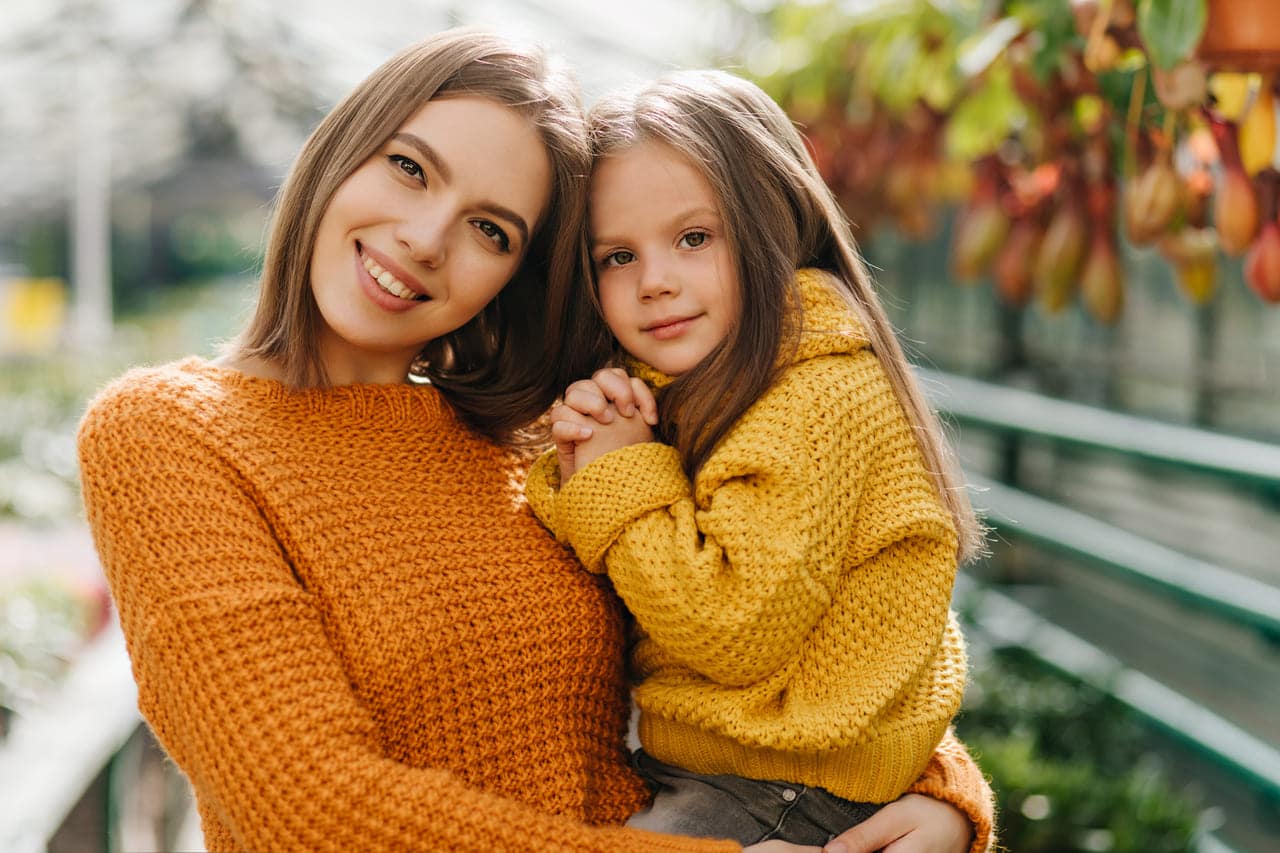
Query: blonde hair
779, 216
498, 370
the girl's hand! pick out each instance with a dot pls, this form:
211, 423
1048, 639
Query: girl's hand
913, 823
620, 404
612, 387
774, 846
569, 428
580, 440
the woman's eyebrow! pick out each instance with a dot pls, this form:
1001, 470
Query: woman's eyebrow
429, 154
514, 219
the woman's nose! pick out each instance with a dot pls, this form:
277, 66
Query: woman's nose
425, 236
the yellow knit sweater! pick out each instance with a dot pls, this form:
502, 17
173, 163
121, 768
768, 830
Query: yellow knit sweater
794, 598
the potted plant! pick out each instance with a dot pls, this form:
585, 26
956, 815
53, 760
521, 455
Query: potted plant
1242, 34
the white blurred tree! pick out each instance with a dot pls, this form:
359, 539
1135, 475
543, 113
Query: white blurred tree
100, 94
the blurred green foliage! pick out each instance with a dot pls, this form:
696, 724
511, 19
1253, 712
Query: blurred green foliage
1072, 768
43, 623
42, 398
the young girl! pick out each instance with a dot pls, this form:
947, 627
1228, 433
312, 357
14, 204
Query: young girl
347, 629
789, 551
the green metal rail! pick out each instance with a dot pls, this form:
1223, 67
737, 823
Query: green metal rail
1216, 591
1009, 411
1006, 623
1018, 412
1226, 594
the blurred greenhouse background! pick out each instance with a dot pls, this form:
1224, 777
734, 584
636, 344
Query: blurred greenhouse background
1070, 206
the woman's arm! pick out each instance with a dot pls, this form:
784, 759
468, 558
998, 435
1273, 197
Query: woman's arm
953, 777
949, 809
956, 817
237, 675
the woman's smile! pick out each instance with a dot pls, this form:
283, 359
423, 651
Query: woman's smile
389, 281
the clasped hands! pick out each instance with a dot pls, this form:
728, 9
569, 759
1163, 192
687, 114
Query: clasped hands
610, 410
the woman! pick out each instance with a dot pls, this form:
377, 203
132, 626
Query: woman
346, 628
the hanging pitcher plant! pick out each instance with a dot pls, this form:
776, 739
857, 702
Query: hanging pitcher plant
1058, 129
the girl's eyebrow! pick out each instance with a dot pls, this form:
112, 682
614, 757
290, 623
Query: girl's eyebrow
674, 222
417, 143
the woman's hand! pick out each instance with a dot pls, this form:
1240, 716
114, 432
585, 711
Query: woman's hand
607, 411
913, 823
774, 846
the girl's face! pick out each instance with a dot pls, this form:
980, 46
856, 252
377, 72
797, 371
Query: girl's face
668, 283
418, 239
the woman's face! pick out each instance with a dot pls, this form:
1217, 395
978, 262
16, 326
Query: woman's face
418, 239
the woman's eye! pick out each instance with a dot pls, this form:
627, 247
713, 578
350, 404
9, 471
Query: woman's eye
494, 233
406, 165
617, 259
694, 239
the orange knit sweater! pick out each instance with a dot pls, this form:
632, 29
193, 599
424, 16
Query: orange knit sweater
351, 634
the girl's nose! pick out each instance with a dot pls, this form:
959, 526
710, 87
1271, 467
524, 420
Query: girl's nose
656, 281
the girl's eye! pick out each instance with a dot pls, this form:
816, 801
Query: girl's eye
494, 233
619, 258
406, 165
693, 239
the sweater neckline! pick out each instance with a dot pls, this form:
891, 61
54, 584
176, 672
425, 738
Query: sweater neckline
405, 400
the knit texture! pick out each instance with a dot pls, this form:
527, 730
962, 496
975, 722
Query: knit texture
346, 627
794, 598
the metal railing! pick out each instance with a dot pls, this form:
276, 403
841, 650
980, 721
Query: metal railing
1210, 589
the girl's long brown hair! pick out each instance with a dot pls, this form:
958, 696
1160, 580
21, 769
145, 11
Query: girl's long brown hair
779, 216
501, 370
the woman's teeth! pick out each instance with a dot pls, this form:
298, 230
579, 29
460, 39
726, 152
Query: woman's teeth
388, 282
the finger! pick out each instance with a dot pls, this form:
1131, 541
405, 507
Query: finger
874, 833
615, 384
569, 415
906, 844
567, 432
645, 401
586, 398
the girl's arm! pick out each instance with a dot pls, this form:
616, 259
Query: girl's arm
731, 580
237, 675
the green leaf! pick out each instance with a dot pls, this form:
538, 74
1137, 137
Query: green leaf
1171, 29
984, 119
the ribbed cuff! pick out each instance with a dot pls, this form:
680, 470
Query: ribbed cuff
624, 484
542, 487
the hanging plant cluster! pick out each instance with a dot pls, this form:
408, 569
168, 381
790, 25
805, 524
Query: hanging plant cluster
1057, 128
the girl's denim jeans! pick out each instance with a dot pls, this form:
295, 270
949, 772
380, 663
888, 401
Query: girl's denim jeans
744, 810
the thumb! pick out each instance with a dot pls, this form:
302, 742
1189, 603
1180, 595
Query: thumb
565, 435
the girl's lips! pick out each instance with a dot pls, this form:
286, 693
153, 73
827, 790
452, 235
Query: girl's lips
671, 329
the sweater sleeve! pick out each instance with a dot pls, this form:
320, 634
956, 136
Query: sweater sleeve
238, 677
952, 776
730, 581
542, 488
